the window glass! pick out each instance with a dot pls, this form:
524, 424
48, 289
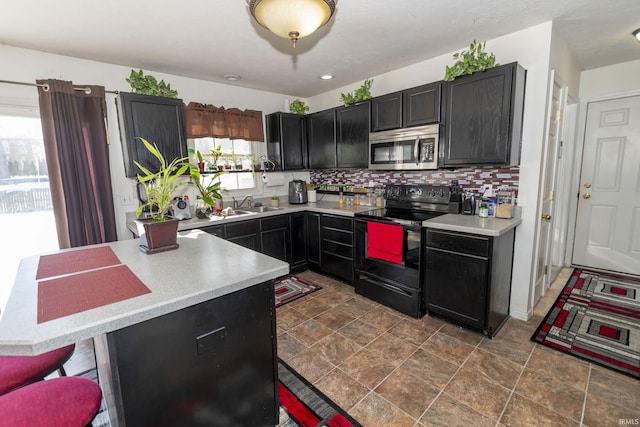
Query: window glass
27, 225
235, 157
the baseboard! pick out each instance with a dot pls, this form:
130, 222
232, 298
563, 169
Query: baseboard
521, 315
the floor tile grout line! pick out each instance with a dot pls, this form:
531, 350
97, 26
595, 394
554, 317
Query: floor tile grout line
586, 394
513, 390
452, 376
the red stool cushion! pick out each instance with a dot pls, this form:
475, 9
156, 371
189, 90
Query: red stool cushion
16, 371
59, 402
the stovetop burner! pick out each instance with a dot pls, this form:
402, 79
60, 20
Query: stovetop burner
411, 204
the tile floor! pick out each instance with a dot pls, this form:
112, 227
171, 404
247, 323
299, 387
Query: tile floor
387, 369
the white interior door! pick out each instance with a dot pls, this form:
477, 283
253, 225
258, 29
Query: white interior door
608, 217
557, 99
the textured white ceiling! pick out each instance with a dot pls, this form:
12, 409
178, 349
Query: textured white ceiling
211, 38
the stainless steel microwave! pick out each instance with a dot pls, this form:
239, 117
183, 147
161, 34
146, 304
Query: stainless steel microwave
405, 149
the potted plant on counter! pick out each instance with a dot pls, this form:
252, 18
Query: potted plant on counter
159, 233
209, 192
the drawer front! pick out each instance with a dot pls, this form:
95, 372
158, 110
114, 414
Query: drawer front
343, 237
470, 244
337, 266
340, 223
338, 249
280, 221
243, 228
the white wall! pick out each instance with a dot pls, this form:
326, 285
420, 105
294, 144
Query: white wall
27, 65
611, 80
532, 49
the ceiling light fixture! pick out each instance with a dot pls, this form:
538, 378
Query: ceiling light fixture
326, 76
636, 34
292, 19
232, 77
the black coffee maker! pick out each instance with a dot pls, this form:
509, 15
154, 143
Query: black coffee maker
297, 191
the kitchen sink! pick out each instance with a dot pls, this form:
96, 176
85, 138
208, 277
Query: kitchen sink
263, 209
238, 212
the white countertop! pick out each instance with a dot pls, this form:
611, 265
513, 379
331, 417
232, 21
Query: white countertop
204, 267
329, 207
472, 224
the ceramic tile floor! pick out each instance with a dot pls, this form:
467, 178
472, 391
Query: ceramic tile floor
387, 369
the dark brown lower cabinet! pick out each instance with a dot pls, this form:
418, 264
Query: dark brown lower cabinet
467, 277
213, 363
313, 240
336, 245
274, 237
245, 233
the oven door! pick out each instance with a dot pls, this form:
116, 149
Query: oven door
407, 274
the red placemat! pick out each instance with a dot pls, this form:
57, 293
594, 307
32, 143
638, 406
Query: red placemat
79, 292
75, 261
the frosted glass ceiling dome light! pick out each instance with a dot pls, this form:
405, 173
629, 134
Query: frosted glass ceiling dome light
292, 19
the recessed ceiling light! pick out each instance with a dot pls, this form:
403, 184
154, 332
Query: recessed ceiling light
326, 76
636, 34
232, 77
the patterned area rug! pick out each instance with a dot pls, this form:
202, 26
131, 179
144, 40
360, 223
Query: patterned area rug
597, 318
292, 288
301, 404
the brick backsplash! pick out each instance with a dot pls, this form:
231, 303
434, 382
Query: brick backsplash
470, 179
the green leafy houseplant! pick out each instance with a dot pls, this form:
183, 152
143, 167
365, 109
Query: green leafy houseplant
298, 107
468, 62
209, 189
148, 85
361, 94
159, 186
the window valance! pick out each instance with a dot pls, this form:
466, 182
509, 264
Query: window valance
205, 120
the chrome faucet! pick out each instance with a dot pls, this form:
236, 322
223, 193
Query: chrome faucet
247, 199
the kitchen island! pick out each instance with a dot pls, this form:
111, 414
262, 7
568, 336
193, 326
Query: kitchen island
200, 344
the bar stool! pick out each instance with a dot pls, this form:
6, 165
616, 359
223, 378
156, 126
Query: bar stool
18, 371
59, 402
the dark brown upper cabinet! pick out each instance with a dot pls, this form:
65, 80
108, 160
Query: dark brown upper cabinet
321, 133
157, 119
421, 105
286, 141
352, 141
386, 112
483, 120
417, 106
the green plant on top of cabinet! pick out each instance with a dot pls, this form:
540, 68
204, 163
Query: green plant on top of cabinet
470, 61
149, 85
298, 107
361, 94
286, 141
155, 118
483, 119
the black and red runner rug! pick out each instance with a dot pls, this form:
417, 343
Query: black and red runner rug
292, 288
303, 405
597, 318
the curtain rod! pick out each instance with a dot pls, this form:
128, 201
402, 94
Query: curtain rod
46, 86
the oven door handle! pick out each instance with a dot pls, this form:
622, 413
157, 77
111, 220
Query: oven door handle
387, 286
416, 150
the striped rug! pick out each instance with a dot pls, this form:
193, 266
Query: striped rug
301, 404
596, 318
292, 288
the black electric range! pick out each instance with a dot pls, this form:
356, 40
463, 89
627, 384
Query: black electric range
397, 284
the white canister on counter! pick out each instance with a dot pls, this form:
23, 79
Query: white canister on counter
312, 196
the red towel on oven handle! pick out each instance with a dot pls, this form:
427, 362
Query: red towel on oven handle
385, 242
